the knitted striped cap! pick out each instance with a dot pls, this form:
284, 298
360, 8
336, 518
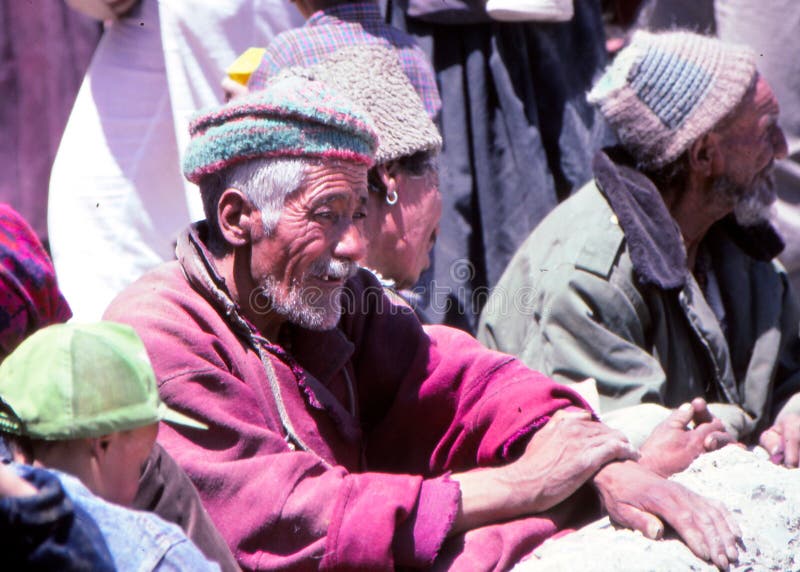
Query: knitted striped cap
373, 78
664, 91
294, 117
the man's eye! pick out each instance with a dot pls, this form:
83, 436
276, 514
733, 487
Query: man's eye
360, 215
326, 216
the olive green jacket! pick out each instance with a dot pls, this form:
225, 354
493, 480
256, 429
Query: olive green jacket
601, 289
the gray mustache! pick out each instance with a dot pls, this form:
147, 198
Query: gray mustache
336, 269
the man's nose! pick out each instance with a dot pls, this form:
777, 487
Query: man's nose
351, 244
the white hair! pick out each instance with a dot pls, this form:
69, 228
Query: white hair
266, 183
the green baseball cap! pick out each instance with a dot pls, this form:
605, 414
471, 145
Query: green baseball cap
71, 381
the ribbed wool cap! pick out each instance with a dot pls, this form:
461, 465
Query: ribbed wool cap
373, 78
666, 90
294, 117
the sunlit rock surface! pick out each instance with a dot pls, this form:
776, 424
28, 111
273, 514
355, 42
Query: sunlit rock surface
764, 498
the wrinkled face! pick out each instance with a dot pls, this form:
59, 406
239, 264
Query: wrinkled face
301, 268
751, 143
123, 463
399, 247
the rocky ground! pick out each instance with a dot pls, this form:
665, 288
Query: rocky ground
764, 498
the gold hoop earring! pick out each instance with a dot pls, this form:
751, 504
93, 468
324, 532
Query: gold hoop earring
391, 197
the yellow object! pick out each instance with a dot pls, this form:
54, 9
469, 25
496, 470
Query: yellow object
244, 66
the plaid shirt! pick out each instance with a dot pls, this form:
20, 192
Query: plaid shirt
29, 294
345, 25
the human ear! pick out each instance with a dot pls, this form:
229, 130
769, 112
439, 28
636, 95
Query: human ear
235, 215
705, 155
98, 446
385, 172
93, 469
388, 173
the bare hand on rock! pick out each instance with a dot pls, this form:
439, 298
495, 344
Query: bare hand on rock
782, 440
640, 499
672, 446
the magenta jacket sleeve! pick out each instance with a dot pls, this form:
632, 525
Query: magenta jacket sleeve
442, 402
439, 400
472, 407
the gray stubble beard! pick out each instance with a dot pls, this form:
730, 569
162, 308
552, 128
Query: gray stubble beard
752, 204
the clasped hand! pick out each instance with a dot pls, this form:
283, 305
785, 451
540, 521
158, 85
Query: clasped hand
673, 445
782, 440
562, 456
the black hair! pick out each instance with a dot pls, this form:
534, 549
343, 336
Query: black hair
416, 164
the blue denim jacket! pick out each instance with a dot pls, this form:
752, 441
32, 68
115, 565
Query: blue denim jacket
137, 540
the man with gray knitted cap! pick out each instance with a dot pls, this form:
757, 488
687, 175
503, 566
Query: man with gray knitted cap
404, 203
341, 433
657, 280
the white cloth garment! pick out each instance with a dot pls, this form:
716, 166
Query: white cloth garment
530, 10
117, 195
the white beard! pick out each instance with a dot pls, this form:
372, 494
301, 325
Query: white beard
310, 307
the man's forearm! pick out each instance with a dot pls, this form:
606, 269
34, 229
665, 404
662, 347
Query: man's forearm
487, 496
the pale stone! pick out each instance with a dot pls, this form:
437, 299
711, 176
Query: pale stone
763, 498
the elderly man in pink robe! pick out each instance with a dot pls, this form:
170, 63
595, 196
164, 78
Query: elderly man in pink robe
342, 434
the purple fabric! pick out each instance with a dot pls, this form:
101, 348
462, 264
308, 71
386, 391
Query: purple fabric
345, 25
45, 49
29, 295
374, 493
